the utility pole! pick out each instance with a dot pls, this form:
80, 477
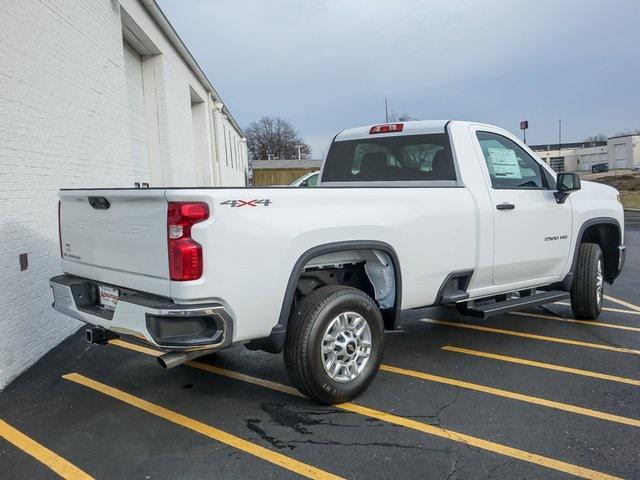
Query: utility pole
559, 137
299, 150
523, 126
386, 111
560, 142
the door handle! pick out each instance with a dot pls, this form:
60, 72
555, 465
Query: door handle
505, 206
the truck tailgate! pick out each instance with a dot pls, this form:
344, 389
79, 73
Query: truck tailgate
117, 237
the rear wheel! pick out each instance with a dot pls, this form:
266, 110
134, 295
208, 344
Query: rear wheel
334, 343
587, 290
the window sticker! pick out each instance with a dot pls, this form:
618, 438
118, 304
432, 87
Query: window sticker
504, 163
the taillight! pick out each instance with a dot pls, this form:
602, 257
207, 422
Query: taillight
59, 228
185, 254
386, 128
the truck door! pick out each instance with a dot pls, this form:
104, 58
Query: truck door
532, 232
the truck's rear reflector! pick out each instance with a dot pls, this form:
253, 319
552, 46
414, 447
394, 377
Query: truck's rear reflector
185, 254
60, 228
386, 128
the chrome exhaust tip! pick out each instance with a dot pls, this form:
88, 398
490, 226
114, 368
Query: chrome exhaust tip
173, 359
170, 360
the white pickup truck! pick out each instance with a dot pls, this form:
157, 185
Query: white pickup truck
406, 215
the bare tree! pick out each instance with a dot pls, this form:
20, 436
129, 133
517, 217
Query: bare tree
599, 137
405, 117
629, 131
274, 137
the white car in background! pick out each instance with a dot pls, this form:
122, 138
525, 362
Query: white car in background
307, 180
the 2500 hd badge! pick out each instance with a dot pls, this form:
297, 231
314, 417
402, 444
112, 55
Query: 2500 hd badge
556, 237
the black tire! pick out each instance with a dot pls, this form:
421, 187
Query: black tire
586, 302
303, 343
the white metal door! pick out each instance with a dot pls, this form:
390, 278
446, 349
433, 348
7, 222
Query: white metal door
135, 108
620, 152
532, 240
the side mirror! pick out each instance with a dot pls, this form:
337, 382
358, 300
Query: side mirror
566, 183
304, 184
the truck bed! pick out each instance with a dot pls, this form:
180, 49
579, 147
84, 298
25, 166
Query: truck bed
254, 237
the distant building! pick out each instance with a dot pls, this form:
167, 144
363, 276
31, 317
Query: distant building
621, 152
281, 172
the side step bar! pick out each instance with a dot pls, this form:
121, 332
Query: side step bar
498, 308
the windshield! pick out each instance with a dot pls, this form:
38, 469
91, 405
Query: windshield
397, 158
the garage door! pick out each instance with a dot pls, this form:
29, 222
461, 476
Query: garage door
135, 107
620, 153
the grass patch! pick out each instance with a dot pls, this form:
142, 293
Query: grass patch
630, 199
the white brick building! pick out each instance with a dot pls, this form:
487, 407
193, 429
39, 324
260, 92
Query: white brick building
93, 93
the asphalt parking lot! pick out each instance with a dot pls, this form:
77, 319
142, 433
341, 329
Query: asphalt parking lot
528, 395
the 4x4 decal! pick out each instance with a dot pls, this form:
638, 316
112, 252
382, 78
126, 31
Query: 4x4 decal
248, 203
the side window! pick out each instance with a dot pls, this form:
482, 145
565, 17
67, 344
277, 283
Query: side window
510, 167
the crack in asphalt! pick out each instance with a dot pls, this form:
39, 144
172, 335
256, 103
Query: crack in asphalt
435, 416
454, 467
446, 406
439, 424
365, 444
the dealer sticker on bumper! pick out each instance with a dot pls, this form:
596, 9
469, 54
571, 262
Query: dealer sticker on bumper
108, 297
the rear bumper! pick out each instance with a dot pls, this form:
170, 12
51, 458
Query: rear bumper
159, 321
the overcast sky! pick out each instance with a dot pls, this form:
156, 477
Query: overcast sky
327, 65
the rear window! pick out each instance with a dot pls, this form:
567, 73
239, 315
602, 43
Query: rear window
398, 158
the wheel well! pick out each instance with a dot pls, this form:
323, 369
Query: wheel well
370, 265
607, 236
369, 270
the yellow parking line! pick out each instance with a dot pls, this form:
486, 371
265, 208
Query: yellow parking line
204, 429
213, 369
407, 423
532, 336
583, 322
567, 407
606, 309
622, 302
136, 347
245, 378
45, 456
548, 366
